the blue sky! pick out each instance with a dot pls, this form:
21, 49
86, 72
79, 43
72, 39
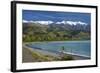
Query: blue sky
33, 15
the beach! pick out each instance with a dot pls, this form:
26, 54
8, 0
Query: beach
38, 55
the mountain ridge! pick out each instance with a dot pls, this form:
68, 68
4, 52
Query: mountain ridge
59, 22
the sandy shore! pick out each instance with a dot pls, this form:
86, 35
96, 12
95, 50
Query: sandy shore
27, 56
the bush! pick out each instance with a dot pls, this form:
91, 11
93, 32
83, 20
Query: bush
67, 57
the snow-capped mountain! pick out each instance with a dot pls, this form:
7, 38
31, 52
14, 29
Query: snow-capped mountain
61, 25
40, 22
59, 22
72, 22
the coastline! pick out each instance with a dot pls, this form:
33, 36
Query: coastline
57, 41
29, 58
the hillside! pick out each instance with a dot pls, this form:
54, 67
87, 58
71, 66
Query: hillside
55, 32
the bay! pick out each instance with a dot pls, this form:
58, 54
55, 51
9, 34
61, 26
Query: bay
81, 48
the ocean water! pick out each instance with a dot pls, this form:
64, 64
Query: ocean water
82, 48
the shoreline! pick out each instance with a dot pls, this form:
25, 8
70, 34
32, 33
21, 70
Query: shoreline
57, 41
58, 51
68, 53
57, 55
77, 55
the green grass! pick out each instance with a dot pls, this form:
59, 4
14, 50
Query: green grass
43, 58
40, 57
67, 57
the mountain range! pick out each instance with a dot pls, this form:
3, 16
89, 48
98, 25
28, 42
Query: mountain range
55, 31
59, 22
61, 25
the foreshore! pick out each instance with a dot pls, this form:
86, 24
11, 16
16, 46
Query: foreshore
29, 57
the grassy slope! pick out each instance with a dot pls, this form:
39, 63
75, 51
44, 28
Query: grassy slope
32, 56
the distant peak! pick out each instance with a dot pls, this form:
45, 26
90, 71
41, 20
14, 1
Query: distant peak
76, 22
59, 22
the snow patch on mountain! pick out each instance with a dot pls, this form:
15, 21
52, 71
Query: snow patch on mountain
44, 22
25, 21
59, 22
76, 22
